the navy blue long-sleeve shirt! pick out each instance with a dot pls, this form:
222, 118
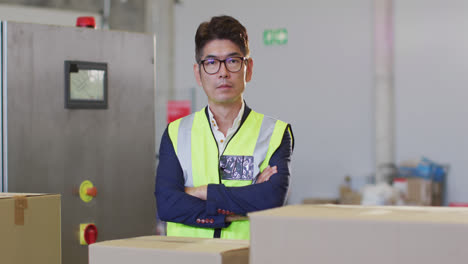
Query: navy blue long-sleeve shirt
174, 205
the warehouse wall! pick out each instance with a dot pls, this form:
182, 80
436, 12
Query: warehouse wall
47, 16
431, 65
320, 81
124, 14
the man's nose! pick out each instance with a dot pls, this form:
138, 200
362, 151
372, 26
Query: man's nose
223, 71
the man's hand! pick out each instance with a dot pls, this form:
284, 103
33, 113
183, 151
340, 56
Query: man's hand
266, 174
232, 218
199, 192
263, 177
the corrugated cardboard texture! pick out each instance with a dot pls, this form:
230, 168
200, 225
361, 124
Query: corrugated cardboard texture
158, 249
356, 234
36, 237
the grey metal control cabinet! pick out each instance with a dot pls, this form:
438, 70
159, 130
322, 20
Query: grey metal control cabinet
48, 148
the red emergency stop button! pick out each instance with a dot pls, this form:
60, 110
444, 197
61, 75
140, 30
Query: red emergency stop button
88, 234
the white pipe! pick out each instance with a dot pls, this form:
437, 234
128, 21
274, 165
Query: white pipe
160, 21
384, 90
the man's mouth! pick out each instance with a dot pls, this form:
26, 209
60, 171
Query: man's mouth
224, 85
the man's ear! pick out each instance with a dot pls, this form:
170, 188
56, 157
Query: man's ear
248, 73
196, 72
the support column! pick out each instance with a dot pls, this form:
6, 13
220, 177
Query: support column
159, 19
384, 91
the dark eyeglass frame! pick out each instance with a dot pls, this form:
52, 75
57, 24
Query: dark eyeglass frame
223, 61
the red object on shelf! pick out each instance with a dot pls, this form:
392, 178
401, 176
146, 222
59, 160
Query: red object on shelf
87, 21
458, 204
400, 180
90, 234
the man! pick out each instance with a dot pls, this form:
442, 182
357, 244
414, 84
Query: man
220, 163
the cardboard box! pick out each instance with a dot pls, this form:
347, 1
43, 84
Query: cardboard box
348, 196
437, 193
337, 234
160, 249
419, 191
30, 228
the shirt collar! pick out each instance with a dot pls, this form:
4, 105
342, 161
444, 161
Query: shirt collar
235, 123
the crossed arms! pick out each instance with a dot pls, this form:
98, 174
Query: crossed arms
179, 204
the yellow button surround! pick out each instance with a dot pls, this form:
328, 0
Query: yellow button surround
82, 235
83, 188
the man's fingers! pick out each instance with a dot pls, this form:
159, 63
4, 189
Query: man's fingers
189, 190
232, 218
263, 175
266, 174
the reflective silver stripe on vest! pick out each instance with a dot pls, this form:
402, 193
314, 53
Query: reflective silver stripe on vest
263, 142
184, 148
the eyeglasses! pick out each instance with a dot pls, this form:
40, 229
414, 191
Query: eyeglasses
212, 65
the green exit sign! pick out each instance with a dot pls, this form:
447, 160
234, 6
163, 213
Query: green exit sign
277, 36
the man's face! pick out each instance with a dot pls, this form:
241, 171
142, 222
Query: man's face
223, 87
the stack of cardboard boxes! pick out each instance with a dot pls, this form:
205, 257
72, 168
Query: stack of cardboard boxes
421, 182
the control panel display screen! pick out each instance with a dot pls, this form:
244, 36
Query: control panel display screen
85, 85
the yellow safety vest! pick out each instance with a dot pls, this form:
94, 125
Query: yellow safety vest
196, 148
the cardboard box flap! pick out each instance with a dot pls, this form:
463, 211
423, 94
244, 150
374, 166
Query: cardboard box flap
179, 244
373, 213
13, 195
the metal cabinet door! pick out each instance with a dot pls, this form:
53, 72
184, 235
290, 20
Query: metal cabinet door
51, 149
